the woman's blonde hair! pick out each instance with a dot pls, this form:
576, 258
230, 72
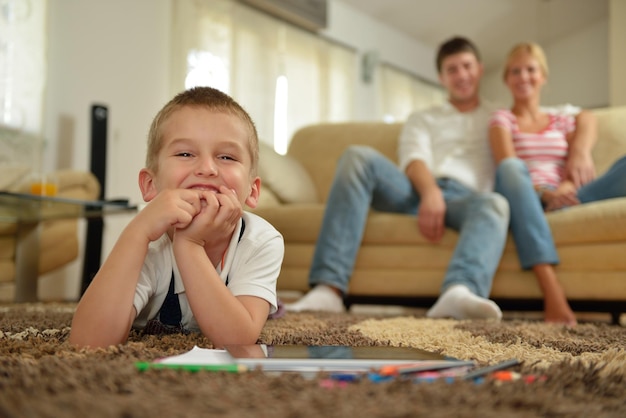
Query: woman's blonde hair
534, 50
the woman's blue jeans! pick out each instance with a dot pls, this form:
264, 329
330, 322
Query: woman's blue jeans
366, 179
530, 229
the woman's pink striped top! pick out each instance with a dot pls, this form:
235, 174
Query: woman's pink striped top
543, 152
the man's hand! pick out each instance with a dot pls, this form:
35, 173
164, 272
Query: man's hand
430, 217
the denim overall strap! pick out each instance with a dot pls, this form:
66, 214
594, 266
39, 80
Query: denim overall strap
243, 228
170, 313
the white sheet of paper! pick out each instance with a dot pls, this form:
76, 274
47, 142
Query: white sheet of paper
199, 356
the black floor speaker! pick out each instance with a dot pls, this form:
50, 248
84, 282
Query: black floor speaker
93, 243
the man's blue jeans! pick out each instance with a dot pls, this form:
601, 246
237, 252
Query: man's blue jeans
366, 179
529, 226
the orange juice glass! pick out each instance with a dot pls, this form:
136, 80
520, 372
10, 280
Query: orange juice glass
44, 185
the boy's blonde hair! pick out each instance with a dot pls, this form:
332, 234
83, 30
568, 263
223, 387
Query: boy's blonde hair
211, 99
531, 48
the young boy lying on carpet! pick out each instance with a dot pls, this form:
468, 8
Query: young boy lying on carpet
192, 259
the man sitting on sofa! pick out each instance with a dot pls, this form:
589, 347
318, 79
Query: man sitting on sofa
445, 176
447, 180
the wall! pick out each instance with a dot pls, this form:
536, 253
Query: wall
353, 28
116, 52
617, 42
579, 60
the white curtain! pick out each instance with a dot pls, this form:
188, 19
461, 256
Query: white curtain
245, 53
22, 64
22, 84
402, 93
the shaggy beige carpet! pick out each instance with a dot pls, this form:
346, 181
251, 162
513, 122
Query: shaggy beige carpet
581, 371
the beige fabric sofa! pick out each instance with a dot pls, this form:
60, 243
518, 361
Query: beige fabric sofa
59, 238
396, 264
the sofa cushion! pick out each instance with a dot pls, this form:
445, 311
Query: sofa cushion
591, 223
302, 223
319, 147
285, 177
267, 197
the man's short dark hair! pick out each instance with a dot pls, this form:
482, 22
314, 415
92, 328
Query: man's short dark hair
454, 46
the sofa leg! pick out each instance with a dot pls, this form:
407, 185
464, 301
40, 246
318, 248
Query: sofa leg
615, 316
347, 303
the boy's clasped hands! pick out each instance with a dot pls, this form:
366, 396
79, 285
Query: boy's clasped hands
203, 217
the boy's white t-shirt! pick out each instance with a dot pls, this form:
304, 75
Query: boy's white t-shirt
252, 265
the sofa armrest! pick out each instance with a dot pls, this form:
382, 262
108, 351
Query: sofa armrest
78, 184
611, 143
73, 184
59, 237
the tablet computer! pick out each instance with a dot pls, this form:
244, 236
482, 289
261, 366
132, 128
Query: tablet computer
311, 358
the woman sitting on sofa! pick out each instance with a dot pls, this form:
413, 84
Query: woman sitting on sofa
531, 147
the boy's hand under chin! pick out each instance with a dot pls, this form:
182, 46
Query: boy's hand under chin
214, 224
170, 208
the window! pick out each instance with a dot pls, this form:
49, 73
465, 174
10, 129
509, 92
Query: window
402, 93
283, 76
22, 64
22, 83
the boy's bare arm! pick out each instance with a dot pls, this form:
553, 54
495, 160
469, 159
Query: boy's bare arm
105, 313
221, 316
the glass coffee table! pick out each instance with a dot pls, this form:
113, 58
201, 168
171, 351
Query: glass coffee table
27, 212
